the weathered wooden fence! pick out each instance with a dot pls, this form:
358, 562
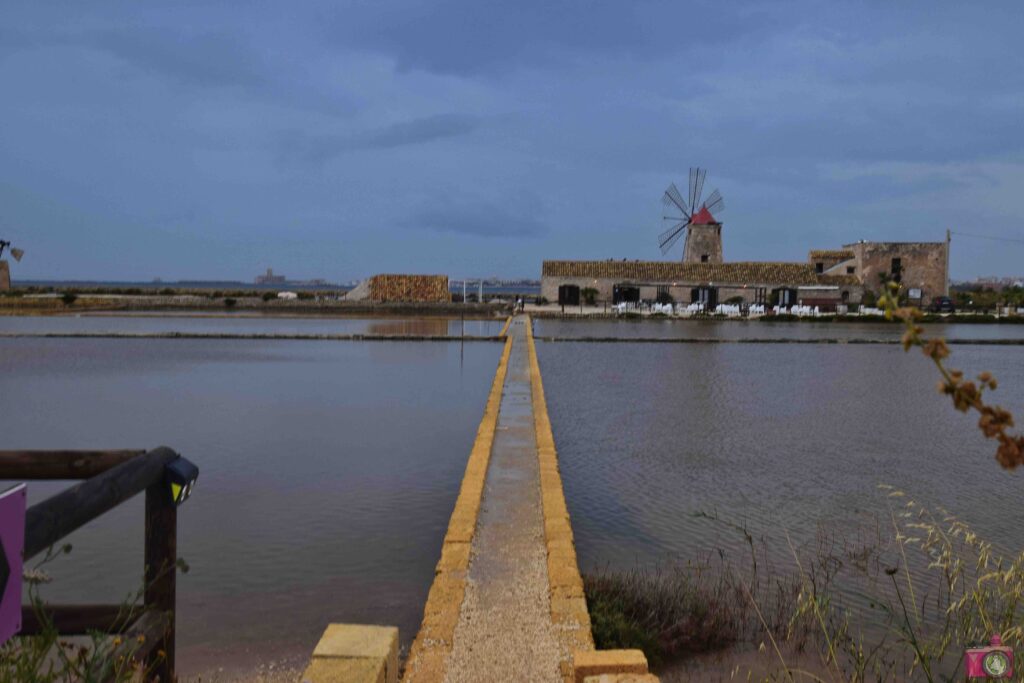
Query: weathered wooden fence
109, 479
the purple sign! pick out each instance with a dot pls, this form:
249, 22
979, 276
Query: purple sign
12, 544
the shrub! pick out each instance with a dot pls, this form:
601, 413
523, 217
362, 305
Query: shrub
734, 300
589, 295
69, 298
229, 302
678, 610
267, 296
47, 657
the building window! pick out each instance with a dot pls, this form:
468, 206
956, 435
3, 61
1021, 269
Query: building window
819, 267
896, 270
568, 295
846, 296
850, 270
761, 295
703, 258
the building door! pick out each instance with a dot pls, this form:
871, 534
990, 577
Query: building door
568, 295
784, 296
708, 296
625, 294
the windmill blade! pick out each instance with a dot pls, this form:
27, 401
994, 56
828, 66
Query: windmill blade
671, 236
693, 188
17, 254
715, 203
673, 197
701, 174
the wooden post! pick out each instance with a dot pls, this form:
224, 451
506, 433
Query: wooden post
161, 572
37, 465
48, 522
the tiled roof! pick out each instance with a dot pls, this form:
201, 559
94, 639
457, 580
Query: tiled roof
832, 254
740, 272
703, 217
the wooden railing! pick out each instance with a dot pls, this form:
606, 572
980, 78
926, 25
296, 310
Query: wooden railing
109, 479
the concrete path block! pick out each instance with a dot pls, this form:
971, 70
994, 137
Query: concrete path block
597, 662
345, 671
347, 647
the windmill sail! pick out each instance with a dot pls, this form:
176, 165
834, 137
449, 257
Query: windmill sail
701, 174
714, 202
689, 207
17, 253
673, 197
668, 238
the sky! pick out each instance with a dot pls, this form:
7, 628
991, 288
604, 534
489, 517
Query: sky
211, 140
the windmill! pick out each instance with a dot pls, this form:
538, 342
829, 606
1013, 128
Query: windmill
5, 271
694, 217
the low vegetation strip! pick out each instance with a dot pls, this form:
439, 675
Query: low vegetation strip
72, 303
428, 656
254, 335
712, 340
568, 604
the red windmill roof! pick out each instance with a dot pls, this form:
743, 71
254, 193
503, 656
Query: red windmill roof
703, 217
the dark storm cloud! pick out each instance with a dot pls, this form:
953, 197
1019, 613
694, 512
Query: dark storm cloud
420, 130
205, 59
491, 37
211, 140
480, 219
318, 149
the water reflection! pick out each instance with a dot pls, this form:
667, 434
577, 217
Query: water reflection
762, 329
328, 473
426, 327
779, 438
251, 324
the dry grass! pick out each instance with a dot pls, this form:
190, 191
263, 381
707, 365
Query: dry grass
896, 600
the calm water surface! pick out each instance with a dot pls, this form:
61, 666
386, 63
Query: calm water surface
775, 437
758, 329
249, 324
329, 470
328, 473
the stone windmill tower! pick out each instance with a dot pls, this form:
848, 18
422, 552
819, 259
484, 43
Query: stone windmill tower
5, 270
703, 233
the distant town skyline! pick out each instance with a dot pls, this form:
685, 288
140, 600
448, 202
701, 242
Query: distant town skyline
333, 141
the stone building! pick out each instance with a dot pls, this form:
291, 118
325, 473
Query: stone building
402, 288
829, 278
921, 267
709, 283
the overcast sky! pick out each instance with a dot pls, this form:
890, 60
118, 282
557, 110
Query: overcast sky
335, 140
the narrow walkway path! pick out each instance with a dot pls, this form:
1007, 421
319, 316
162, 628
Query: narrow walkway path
504, 631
